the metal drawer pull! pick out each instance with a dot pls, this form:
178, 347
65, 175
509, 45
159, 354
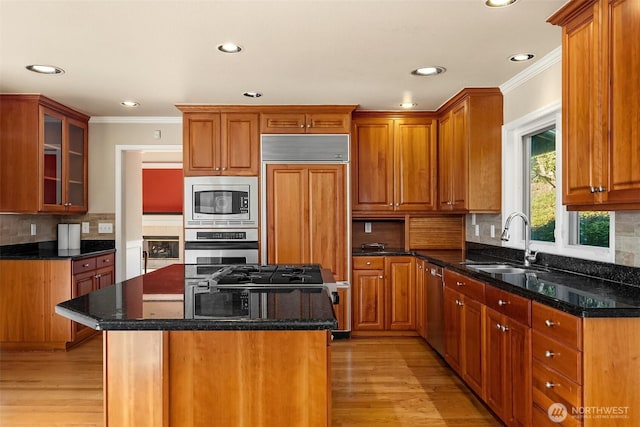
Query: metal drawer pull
549, 354
498, 326
501, 303
106, 260
460, 283
368, 262
85, 265
549, 323
549, 384
504, 328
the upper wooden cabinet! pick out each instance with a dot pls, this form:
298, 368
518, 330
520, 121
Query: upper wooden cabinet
470, 152
43, 156
220, 143
601, 113
394, 162
303, 119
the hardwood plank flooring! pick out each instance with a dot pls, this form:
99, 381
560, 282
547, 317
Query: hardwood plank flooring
376, 382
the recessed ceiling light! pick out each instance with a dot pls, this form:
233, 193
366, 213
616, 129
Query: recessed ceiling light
45, 69
520, 57
499, 3
253, 94
130, 104
408, 105
229, 48
428, 71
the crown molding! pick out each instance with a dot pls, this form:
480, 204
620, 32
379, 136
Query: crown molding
136, 120
552, 58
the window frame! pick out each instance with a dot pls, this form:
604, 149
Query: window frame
513, 191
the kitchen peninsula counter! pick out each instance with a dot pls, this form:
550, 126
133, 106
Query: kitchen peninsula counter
164, 365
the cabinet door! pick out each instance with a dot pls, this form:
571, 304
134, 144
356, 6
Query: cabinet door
498, 388
77, 171
400, 275
368, 300
473, 344
240, 144
623, 183
51, 138
519, 345
445, 162
453, 328
282, 123
415, 164
327, 213
104, 277
582, 143
459, 158
327, 123
372, 156
421, 299
288, 214
83, 283
201, 144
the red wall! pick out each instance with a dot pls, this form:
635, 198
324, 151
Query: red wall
162, 191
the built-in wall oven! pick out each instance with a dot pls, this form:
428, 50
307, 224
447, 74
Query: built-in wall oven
220, 246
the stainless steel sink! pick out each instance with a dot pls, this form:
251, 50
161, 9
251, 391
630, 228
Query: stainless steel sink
502, 268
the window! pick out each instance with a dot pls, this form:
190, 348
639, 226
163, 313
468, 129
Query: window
532, 151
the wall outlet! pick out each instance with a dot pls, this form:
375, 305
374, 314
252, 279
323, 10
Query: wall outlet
33, 229
85, 227
105, 227
476, 229
367, 227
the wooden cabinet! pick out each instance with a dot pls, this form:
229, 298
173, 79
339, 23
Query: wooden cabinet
470, 152
368, 294
508, 356
306, 216
90, 274
43, 156
601, 114
384, 293
394, 163
29, 291
464, 317
306, 122
421, 298
220, 143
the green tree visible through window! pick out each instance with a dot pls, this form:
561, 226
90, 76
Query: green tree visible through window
542, 185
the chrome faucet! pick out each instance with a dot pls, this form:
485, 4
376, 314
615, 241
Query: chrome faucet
529, 256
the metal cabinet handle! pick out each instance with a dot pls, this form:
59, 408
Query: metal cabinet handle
592, 190
309, 125
368, 262
549, 354
498, 326
224, 169
97, 276
460, 283
602, 189
390, 204
501, 302
504, 328
549, 323
85, 265
397, 204
549, 384
302, 125
218, 168
106, 260
381, 277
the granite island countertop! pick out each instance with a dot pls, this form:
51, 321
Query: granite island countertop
161, 300
579, 294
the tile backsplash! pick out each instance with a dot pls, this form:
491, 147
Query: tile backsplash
15, 229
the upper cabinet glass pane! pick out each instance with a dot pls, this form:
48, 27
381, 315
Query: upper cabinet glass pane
76, 135
52, 160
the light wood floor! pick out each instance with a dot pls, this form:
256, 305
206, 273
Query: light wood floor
376, 382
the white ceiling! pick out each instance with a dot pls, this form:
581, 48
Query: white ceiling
162, 53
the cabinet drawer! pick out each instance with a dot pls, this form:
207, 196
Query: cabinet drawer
557, 325
368, 263
551, 387
564, 359
82, 265
541, 419
465, 285
513, 306
105, 260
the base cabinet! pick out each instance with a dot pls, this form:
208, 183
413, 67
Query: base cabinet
383, 293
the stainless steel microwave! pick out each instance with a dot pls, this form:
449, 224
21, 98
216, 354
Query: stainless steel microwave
221, 201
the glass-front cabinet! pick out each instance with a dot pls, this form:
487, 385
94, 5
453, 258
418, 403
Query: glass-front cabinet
64, 176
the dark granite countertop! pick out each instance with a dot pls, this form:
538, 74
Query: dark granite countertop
573, 292
161, 300
49, 250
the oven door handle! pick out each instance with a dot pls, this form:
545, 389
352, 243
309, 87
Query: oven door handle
221, 245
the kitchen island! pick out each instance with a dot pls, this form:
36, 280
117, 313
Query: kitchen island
258, 357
